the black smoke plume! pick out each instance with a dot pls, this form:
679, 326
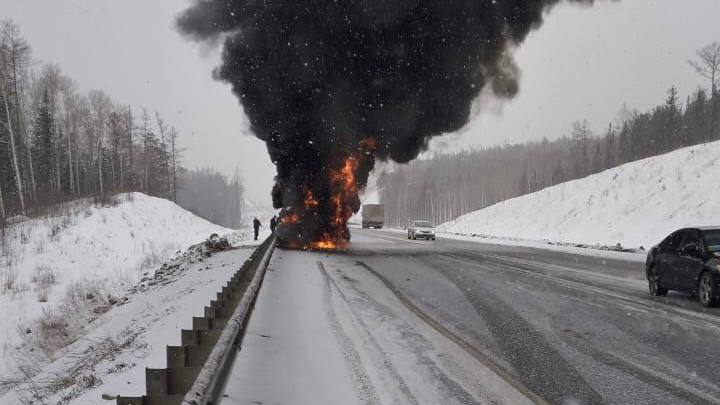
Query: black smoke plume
327, 82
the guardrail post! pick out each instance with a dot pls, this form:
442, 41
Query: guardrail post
168, 386
156, 381
177, 356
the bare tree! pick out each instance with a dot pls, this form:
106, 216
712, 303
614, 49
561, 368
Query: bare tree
2, 201
129, 126
81, 111
175, 159
100, 105
145, 128
2, 207
163, 128
71, 123
708, 64
18, 57
8, 123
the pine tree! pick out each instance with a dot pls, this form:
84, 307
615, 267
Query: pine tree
597, 159
43, 146
625, 145
672, 138
2, 206
610, 148
580, 134
558, 175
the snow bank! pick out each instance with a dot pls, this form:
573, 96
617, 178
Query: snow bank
111, 358
90, 253
635, 204
260, 210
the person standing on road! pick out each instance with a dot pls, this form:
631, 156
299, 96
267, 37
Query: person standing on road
273, 224
256, 226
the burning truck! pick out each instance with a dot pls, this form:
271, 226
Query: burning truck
312, 224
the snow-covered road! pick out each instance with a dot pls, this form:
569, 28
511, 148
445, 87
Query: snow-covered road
326, 331
416, 322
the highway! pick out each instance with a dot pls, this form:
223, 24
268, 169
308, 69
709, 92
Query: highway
392, 320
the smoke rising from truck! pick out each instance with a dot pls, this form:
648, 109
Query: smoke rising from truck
330, 86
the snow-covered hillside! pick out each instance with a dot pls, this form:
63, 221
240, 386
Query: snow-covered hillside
635, 204
260, 210
87, 253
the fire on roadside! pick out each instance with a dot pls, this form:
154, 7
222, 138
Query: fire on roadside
310, 201
291, 218
324, 212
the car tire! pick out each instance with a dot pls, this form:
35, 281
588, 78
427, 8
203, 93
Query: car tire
655, 285
433, 238
707, 290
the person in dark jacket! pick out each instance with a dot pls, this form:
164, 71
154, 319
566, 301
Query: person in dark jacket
273, 224
256, 226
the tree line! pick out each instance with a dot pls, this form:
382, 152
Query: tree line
449, 185
58, 143
212, 195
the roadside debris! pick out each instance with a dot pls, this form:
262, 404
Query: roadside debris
171, 269
217, 243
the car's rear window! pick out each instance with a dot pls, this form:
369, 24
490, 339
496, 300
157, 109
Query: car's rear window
423, 224
712, 240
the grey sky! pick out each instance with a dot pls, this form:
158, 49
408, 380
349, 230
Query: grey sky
583, 63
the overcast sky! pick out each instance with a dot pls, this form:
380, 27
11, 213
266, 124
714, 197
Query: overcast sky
583, 63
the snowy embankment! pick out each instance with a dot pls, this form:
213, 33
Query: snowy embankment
635, 204
60, 272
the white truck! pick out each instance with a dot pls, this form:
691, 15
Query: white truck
373, 216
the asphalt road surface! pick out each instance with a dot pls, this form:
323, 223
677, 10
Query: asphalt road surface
560, 327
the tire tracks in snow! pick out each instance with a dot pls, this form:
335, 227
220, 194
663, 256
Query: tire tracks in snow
449, 388
463, 344
361, 380
335, 324
691, 391
553, 274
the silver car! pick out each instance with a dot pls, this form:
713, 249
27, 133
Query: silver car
421, 229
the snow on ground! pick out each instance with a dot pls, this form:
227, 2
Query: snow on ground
635, 204
112, 357
55, 270
326, 331
253, 209
576, 249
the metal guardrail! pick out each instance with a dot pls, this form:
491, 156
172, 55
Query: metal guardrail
197, 369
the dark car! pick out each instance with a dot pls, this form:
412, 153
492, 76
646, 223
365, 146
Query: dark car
688, 260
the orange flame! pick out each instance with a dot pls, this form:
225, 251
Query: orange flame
343, 181
341, 202
290, 219
310, 201
327, 242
